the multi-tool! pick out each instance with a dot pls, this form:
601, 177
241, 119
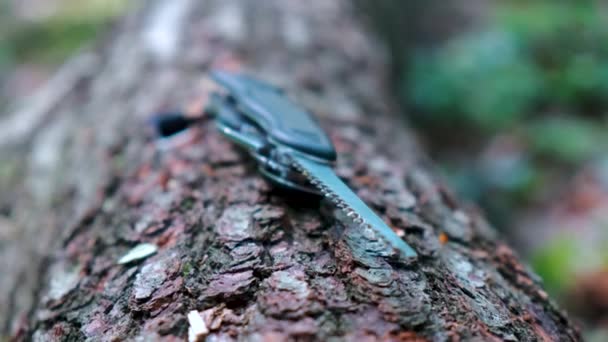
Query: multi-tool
290, 147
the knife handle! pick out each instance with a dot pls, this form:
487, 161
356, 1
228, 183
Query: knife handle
284, 122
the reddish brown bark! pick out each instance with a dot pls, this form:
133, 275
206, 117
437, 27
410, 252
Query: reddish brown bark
255, 264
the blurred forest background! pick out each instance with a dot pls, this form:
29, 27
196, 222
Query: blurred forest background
510, 98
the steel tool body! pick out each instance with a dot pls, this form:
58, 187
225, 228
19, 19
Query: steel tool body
290, 147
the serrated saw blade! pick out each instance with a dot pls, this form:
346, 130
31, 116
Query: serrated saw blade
331, 186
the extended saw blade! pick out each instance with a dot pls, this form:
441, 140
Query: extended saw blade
331, 186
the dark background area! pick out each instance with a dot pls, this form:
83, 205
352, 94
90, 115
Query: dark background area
508, 96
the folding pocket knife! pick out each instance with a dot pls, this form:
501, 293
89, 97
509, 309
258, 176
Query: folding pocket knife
289, 146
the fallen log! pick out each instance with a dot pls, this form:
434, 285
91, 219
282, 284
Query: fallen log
105, 236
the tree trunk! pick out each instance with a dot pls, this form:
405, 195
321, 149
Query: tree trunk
84, 183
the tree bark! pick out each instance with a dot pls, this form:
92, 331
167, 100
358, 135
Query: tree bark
84, 182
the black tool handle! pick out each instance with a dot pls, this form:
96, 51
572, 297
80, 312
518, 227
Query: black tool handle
283, 121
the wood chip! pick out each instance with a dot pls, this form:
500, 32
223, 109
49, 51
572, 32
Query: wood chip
198, 328
138, 252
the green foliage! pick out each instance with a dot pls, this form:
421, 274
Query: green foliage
48, 41
565, 256
5, 22
514, 107
537, 57
51, 41
567, 138
483, 80
566, 40
553, 262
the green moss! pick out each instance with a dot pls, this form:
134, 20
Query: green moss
187, 204
187, 269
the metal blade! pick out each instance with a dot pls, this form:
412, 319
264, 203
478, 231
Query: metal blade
332, 187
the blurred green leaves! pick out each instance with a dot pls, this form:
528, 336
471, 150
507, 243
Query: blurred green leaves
568, 139
554, 262
513, 109
527, 98
483, 81
38, 40
566, 256
50, 40
537, 58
